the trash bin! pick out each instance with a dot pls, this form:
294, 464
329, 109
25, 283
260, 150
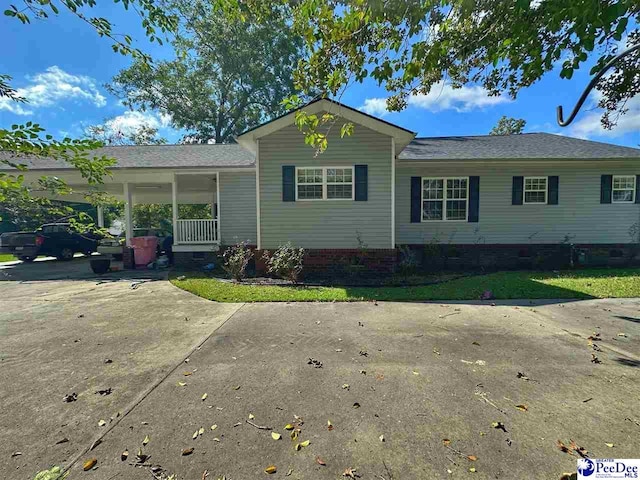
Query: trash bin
145, 249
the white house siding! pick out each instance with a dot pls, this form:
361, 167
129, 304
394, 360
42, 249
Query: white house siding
578, 213
326, 224
237, 209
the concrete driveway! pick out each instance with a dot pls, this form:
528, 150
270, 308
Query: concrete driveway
411, 390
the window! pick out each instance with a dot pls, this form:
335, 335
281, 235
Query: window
445, 199
624, 189
328, 183
535, 189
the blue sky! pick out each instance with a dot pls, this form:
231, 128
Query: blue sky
61, 65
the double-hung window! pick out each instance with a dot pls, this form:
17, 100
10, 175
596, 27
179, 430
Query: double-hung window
445, 199
535, 190
326, 183
623, 189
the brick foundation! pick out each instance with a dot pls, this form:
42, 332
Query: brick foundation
525, 256
342, 262
194, 260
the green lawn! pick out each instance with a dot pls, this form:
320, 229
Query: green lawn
588, 283
5, 257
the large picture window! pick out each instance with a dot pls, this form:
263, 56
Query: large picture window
327, 183
445, 199
535, 189
624, 189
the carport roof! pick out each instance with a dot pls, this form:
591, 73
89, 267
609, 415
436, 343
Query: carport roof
157, 156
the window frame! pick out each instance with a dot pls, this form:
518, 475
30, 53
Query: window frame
325, 183
613, 189
443, 200
546, 190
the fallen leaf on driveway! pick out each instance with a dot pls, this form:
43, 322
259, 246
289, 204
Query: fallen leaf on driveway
345, 386
89, 464
102, 423
186, 374
349, 472
472, 458
297, 447
522, 407
610, 445
237, 387
305, 443
182, 384
472, 470
276, 436
271, 469
446, 442
16, 454
201, 431
381, 438
329, 425
124, 455
499, 426
251, 416
187, 451
214, 426
622, 334
195, 434
319, 461
204, 397
288, 426
289, 472
356, 405
72, 397
146, 440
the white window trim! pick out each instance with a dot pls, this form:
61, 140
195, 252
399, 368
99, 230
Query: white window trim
524, 191
444, 199
325, 183
613, 189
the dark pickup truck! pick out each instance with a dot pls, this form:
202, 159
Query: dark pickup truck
54, 239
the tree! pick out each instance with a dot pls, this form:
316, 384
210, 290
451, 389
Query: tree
508, 126
29, 139
409, 46
109, 133
228, 73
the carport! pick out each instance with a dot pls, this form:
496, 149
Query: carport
158, 174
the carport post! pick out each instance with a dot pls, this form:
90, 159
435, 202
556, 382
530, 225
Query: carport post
100, 212
174, 208
128, 218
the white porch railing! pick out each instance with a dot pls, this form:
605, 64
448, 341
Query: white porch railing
196, 231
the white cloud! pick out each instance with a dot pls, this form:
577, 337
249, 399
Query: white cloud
441, 97
588, 123
130, 121
51, 87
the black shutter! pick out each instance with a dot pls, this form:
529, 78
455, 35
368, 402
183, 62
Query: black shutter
288, 183
474, 199
517, 191
637, 188
606, 183
362, 183
416, 199
553, 190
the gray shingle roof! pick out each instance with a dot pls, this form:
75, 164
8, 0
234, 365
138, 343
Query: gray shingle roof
160, 156
525, 146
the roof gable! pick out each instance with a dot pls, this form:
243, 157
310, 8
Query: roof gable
401, 135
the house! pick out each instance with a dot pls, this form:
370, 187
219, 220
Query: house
495, 200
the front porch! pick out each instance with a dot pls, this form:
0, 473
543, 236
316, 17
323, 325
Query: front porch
191, 188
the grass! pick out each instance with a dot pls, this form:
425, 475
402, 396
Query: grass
588, 283
6, 257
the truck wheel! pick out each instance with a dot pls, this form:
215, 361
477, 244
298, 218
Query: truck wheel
26, 259
65, 254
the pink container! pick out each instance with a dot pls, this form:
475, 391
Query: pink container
145, 249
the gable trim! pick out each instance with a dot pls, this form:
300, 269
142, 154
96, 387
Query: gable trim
401, 135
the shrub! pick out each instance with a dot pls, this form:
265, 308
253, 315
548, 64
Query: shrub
236, 258
408, 263
285, 262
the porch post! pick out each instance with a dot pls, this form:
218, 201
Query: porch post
100, 212
174, 208
128, 209
217, 217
